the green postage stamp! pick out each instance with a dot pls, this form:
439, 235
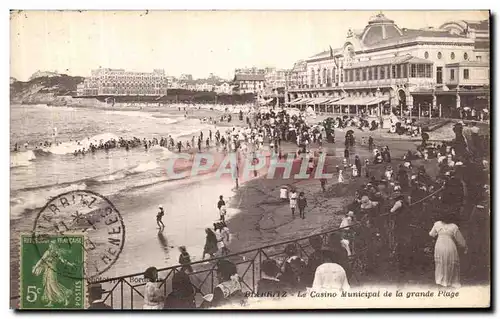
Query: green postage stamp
52, 272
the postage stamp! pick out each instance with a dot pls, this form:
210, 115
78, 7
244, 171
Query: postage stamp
53, 279
89, 213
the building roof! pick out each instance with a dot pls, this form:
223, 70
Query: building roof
249, 77
413, 34
407, 58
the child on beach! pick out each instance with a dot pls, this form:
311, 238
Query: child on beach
293, 201
341, 177
159, 216
222, 212
367, 172
302, 203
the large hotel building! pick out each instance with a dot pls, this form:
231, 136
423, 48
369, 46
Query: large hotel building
386, 68
118, 82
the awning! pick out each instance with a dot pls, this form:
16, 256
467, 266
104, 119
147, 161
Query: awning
345, 101
332, 100
378, 100
317, 100
293, 101
303, 101
297, 101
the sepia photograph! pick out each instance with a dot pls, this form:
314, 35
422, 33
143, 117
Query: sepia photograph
249, 160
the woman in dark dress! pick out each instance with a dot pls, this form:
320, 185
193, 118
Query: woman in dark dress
210, 244
183, 292
268, 282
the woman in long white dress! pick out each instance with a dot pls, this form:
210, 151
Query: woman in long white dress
330, 276
153, 296
446, 258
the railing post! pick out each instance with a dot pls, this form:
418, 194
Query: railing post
253, 275
131, 297
121, 293
260, 263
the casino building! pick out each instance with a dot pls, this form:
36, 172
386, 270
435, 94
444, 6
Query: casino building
118, 82
385, 68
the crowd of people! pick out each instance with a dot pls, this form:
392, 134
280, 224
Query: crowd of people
379, 223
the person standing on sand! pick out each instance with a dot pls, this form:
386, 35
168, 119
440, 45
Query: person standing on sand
185, 260
293, 201
302, 203
323, 184
370, 143
159, 216
222, 212
221, 202
341, 176
210, 244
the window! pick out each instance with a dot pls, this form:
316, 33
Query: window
382, 72
393, 72
478, 58
426, 55
452, 55
324, 75
398, 71
428, 71
375, 73
440, 55
439, 75
363, 75
404, 70
341, 75
370, 73
466, 74
356, 75
452, 75
420, 70
466, 56
413, 70
313, 77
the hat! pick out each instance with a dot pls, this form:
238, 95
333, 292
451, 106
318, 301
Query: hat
160, 206
350, 213
459, 123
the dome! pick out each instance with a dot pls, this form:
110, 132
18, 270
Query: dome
379, 28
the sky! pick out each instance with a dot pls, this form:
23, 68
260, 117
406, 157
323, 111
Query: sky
191, 42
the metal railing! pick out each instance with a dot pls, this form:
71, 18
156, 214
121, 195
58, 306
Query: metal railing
125, 292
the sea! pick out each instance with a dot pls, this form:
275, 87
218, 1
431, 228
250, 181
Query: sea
134, 180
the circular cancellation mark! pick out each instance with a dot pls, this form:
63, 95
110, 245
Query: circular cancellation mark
83, 212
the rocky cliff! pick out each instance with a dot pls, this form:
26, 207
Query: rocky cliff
54, 90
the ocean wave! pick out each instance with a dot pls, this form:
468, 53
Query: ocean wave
164, 120
143, 167
28, 199
165, 152
22, 158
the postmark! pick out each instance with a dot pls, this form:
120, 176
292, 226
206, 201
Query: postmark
43, 260
85, 212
